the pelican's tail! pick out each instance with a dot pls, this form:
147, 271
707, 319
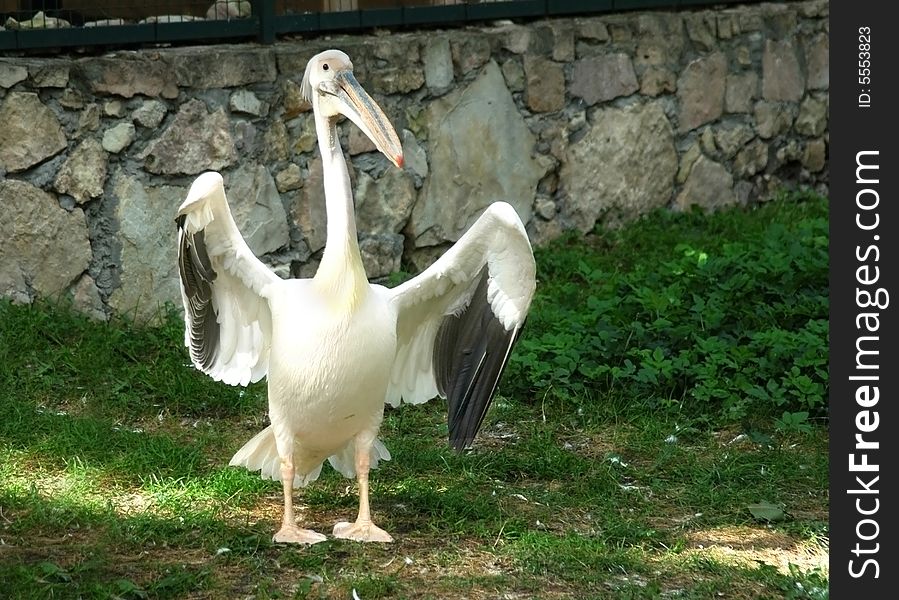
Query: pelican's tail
261, 454
344, 461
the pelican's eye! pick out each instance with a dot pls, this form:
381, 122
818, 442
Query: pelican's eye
325, 67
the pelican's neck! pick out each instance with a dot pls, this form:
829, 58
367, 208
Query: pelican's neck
341, 272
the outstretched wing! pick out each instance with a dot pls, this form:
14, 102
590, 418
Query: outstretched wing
458, 320
228, 323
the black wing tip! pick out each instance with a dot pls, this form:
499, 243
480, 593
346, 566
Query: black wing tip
197, 276
471, 352
461, 444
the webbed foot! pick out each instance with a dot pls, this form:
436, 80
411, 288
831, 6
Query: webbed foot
291, 534
361, 531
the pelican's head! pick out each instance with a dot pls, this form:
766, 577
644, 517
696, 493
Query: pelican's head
331, 88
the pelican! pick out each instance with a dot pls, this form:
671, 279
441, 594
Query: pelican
334, 348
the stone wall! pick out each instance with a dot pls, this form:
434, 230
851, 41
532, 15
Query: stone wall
576, 122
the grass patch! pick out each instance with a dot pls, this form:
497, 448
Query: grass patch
644, 412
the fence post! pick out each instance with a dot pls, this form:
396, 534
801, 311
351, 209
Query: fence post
264, 10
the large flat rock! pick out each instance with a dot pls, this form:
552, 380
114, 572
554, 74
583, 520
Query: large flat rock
622, 168
481, 151
30, 133
195, 141
43, 248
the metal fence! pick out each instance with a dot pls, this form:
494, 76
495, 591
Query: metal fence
34, 25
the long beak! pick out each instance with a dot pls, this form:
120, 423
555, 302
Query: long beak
359, 107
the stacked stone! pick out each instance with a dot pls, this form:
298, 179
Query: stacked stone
576, 122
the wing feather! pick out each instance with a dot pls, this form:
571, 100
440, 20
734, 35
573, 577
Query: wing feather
470, 353
224, 288
458, 321
197, 277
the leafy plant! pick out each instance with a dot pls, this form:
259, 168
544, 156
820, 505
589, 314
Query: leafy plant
721, 317
793, 421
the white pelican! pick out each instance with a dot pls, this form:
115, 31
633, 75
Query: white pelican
335, 348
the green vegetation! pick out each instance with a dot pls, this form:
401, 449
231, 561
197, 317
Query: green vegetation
660, 432
721, 318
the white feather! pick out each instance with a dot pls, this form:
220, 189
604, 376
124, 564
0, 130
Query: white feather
239, 290
498, 241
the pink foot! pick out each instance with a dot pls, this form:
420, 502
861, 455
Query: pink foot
291, 534
365, 531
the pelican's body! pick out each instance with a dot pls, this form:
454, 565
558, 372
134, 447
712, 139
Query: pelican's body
350, 354
335, 348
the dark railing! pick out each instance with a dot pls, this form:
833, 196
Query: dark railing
50, 24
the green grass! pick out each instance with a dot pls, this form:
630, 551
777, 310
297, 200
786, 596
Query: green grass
587, 482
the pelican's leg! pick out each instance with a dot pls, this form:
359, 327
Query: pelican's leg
289, 532
363, 530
